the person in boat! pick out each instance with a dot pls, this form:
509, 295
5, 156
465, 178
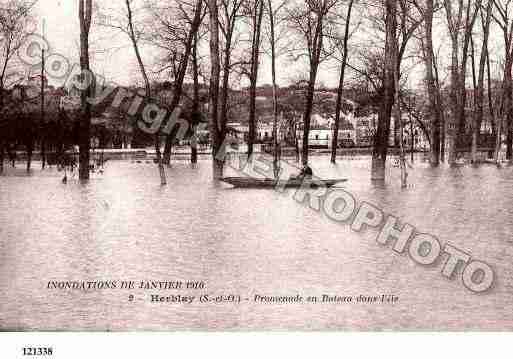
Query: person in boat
306, 172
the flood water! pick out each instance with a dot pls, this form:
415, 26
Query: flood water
124, 226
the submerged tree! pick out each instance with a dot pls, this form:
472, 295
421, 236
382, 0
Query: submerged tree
479, 91
134, 38
340, 89
311, 22
427, 10
461, 18
504, 19
256, 14
379, 154
274, 19
217, 127
391, 22
85, 14
231, 13
176, 34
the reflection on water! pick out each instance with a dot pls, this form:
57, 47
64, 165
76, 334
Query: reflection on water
123, 225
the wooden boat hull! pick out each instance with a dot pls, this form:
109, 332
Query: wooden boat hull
247, 182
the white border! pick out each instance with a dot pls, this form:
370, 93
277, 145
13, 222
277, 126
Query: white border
258, 345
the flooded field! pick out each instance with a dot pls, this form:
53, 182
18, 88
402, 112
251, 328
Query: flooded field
123, 225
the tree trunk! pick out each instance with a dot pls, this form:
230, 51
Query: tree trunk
398, 118
440, 109
451, 130
457, 21
168, 146
196, 101
490, 94
162, 171
296, 143
490, 102
379, 153
85, 15
340, 90
11, 152
474, 139
505, 111
215, 69
133, 38
194, 145
479, 96
43, 153
498, 140
225, 90
42, 120
29, 148
470, 18
315, 56
2, 155
431, 85
253, 77
508, 109
412, 139
308, 113
182, 70
276, 166
508, 84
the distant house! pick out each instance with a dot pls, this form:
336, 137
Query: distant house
319, 136
238, 130
365, 129
264, 131
347, 134
322, 136
321, 131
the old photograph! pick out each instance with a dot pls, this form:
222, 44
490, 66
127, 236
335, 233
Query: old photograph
256, 165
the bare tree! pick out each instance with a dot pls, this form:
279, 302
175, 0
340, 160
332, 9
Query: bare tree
479, 89
256, 10
134, 38
177, 35
14, 20
395, 22
196, 113
231, 14
218, 129
168, 38
427, 10
461, 17
85, 11
381, 138
274, 19
340, 88
504, 21
310, 21
398, 116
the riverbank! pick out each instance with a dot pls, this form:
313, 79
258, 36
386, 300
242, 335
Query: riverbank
185, 151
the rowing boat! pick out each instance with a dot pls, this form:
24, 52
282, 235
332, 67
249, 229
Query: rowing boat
248, 182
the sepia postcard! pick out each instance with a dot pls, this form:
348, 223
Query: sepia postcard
255, 165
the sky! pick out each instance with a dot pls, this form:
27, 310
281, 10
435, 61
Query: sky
62, 31
118, 65
113, 57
